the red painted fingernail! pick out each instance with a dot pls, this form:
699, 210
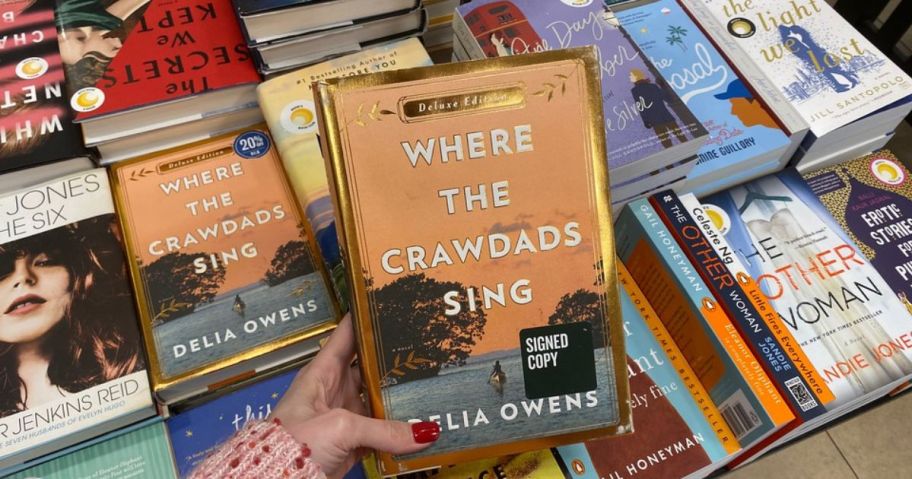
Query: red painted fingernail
425, 432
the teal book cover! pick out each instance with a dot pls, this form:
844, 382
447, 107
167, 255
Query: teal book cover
694, 320
672, 437
141, 453
740, 127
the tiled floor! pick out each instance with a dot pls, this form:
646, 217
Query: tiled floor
873, 444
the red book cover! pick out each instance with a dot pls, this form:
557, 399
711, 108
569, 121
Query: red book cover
126, 54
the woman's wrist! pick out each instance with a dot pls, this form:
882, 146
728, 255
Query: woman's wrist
261, 449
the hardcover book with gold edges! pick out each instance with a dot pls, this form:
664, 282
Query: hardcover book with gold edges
222, 261
475, 275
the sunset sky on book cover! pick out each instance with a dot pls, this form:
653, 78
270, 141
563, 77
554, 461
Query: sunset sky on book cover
531, 259
232, 267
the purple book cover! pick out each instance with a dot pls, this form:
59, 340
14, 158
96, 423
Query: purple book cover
871, 199
643, 115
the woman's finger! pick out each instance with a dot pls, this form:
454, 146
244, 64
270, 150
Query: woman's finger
339, 350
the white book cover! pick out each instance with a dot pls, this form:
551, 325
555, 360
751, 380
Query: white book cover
816, 61
70, 347
838, 308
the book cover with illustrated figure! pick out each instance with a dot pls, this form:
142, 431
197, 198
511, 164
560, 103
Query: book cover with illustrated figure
839, 309
678, 431
748, 315
231, 275
288, 106
740, 128
473, 301
871, 200
643, 114
70, 344
699, 326
122, 55
36, 122
809, 57
143, 452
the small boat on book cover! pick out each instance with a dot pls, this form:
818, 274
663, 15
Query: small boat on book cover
240, 307
498, 378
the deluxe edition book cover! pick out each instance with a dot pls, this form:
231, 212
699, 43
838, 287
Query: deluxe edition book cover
644, 116
70, 351
288, 107
477, 296
222, 260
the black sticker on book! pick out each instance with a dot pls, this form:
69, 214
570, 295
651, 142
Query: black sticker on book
558, 360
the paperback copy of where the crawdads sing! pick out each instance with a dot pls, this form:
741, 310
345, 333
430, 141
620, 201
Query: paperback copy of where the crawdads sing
223, 265
476, 276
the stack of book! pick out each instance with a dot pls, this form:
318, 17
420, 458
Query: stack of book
150, 75
287, 34
814, 71
464, 213
745, 141
653, 137
438, 38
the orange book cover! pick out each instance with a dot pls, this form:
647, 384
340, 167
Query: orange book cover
680, 364
222, 261
701, 328
474, 272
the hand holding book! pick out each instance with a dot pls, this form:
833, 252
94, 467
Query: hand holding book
323, 407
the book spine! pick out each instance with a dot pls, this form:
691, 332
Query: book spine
782, 335
744, 315
695, 322
741, 62
687, 374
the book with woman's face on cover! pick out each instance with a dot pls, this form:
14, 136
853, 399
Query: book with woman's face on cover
483, 289
71, 364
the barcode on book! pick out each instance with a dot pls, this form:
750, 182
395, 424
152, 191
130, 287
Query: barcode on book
739, 414
801, 394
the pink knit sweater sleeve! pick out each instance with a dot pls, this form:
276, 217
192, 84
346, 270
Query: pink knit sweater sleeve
260, 450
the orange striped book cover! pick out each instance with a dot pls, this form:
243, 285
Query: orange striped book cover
709, 342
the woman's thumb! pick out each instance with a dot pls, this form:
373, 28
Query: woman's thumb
394, 437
